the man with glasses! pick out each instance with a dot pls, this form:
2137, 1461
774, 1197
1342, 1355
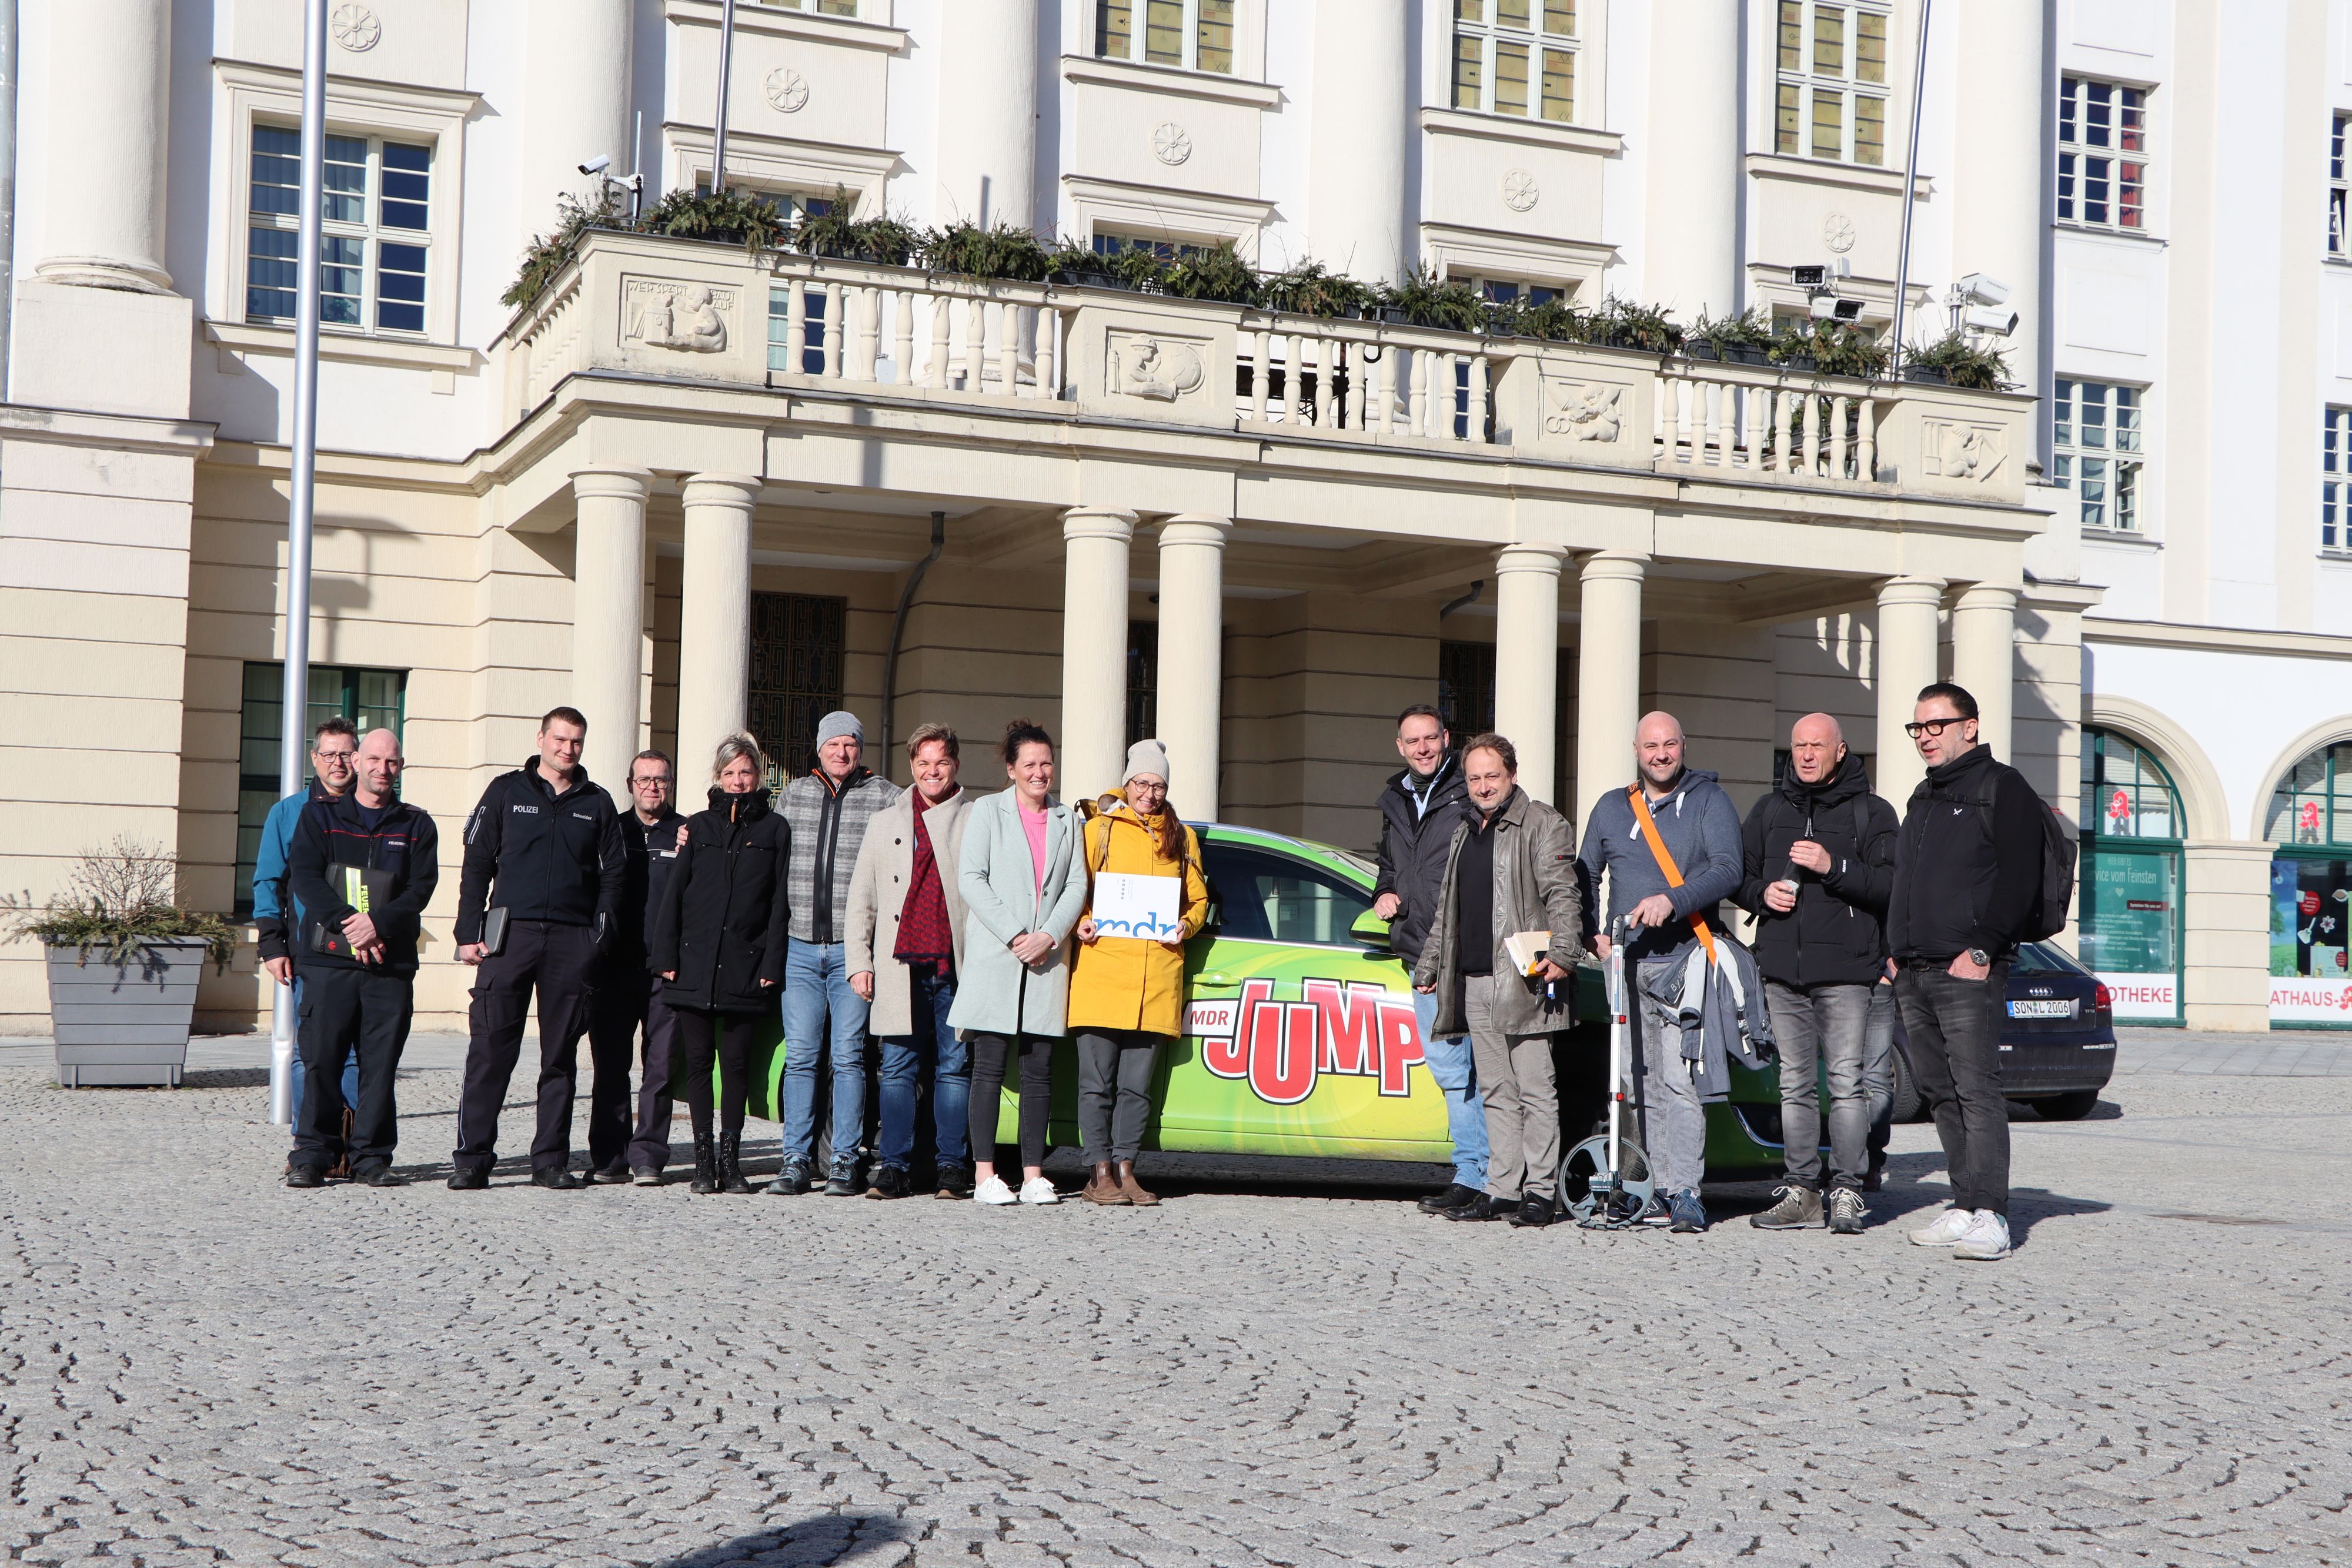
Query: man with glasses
332, 744
1968, 876
629, 996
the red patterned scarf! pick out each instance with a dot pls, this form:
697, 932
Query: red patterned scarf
926, 942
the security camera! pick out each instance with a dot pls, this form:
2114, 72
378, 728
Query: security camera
1983, 290
1810, 277
1849, 309
596, 165
1825, 307
1991, 318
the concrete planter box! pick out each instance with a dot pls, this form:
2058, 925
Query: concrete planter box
124, 1023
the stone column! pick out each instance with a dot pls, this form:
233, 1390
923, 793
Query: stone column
1358, 124
1094, 650
714, 638
988, 112
1907, 640
109, 98
1609, 675
576, 102
1984, 659
1997, 133
1527, 661
1690, 258
1191, 656
608, 596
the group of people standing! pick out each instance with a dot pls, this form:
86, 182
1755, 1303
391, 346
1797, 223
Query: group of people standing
1858, 915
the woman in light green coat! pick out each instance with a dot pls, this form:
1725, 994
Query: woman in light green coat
1024, 889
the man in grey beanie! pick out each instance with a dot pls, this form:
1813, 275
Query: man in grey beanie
828, 810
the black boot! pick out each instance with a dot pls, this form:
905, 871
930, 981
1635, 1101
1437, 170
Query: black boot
706, 1165
731, 1164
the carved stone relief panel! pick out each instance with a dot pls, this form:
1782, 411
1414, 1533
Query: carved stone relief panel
689, 317
1150, 365
1578, 409
1954, 449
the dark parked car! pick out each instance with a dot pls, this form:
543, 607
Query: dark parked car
2058, 1047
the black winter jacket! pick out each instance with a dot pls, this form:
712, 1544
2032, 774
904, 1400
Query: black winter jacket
401, 855
1836, 934
726, 915
554, 855
1965, 877
652, 851
1413, 848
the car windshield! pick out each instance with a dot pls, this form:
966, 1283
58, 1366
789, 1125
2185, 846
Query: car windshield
1271, 897
2044, 958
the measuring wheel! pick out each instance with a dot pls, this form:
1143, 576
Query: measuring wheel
1588, 1192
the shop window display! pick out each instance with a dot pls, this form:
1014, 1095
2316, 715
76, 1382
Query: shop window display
2310, 821
2131, 878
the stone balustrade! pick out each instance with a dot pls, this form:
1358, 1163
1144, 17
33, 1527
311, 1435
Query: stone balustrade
673, 309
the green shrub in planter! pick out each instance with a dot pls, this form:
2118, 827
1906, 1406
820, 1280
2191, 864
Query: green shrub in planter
550, 253
1310, 289
1622, 324
1220, 275
1555, 320
1830, 348
1963, 364
1426, 302
967, 250
718, 215
1744, 338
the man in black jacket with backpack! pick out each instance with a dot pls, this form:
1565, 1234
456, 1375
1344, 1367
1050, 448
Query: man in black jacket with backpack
1818, 865
1970, 868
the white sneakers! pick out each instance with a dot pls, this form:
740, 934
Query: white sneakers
1035, 1190
1981, 1236
994, 1190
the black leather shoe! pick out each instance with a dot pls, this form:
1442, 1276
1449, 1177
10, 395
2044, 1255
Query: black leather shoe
613, 1175
1484, 1208
889, 1181
378, 1176
731, 1164
1454, 1196
645, 1176
706, 1165
1536, 1211
466, 1178
955, 1181
305, 1176
555, 1180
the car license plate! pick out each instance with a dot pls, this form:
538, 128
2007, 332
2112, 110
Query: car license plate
2061, 1008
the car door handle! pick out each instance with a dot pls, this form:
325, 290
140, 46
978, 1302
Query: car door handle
1214, 977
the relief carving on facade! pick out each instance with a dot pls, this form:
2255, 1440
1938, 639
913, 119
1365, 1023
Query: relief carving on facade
355, 27
787, 91
1952, 450
1143, 365
688, 317
1584, 410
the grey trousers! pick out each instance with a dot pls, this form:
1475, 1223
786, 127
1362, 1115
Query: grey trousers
1878, 1070
1675, 1114
1115, 1063
1514, 1079
1816, 1028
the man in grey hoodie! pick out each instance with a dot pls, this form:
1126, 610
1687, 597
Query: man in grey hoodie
1695, 821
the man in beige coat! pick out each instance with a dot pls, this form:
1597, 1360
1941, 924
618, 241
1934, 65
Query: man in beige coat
904, 902
1511, 870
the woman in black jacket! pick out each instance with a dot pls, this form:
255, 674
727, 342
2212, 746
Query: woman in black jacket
718, 946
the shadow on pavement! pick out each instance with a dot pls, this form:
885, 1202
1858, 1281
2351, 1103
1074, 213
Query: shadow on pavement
828, 1538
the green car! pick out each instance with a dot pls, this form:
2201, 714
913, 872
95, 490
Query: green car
1300, 1038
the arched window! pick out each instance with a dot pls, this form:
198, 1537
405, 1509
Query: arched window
2312, 804
2126, 793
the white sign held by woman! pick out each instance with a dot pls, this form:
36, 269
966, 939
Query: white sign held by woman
1141, 906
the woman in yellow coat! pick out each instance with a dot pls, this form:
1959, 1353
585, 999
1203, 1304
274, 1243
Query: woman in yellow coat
1126, 993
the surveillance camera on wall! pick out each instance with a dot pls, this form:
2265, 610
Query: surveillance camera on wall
1991, 318
1983, 290
1849, 311
1810, 277
597, 164
1824, 307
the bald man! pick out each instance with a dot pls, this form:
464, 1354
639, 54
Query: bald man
1818, 865
1700, 832
362, 870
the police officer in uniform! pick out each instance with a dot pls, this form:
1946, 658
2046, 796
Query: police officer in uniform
546, 845
631, 996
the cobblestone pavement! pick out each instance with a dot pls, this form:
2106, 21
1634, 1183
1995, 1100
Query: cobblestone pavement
198, 1366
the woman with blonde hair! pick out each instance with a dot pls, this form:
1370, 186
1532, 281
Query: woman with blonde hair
1127, 989
719, 946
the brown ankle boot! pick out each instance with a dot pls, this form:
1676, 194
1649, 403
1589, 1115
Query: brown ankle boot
1103, 1186
1134, 1190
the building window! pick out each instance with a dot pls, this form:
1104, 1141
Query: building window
2337, 241
371, 699
2336, 482
2102, 155
1466, 688
2096, 436
1109, 242
798, 646
822, 7
2312, 804
1142, 680
2310, 821
2131, 878
1519, 291
1830, 91
1515, 57
374, 236
1190, 35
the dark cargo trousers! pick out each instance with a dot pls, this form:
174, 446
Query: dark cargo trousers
350, 1013
558, 963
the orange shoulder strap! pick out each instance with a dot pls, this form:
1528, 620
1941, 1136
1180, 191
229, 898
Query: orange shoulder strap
1666, 862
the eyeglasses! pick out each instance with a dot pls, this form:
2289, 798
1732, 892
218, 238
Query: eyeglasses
1931, 726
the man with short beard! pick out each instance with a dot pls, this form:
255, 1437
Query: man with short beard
332, 745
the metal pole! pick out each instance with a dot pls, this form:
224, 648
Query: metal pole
7, 181
1910, 186
294, 703
719, 120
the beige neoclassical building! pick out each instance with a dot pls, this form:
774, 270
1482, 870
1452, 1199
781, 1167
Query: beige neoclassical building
687, 488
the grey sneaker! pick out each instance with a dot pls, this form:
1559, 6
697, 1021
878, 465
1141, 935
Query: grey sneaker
790, 1182
1946, 1228
1985, 1241
843, 1181
1799, 1208
1846, 1212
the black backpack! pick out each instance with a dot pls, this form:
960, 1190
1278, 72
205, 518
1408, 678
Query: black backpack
2046, 916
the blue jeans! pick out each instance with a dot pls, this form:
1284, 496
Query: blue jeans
351, 1070
902, 1066
1457, 1078
816, 985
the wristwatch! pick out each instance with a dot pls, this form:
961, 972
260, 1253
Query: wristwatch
1980, 958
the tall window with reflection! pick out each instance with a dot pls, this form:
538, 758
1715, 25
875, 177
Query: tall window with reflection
1190, 35
376, 230
1830, 81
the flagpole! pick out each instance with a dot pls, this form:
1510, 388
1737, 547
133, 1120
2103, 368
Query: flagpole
718, 120
1910, 188
294, 705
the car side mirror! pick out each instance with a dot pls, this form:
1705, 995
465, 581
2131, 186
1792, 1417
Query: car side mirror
1372, 931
